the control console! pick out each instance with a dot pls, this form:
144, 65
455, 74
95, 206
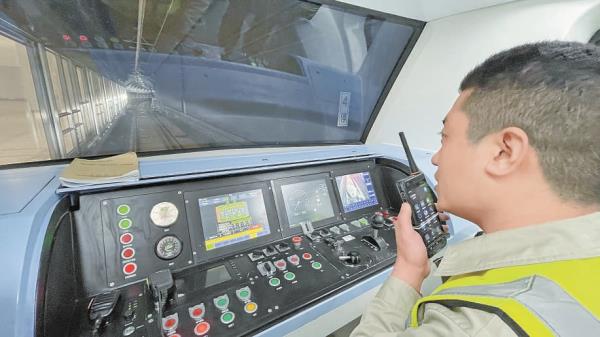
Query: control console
234, 254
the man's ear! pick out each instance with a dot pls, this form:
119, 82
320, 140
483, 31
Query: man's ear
509, 147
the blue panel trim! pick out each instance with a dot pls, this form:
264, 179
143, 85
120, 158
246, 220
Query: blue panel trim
22, 241
20, 186
170, 170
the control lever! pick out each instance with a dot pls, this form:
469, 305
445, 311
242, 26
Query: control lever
308, 229
160, 282
353, 257
377, 223
375, 241
100, 308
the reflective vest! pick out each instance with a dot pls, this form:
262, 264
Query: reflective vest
559, 298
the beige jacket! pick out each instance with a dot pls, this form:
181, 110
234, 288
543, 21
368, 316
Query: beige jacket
387, 314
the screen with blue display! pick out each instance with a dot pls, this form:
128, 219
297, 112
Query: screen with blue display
356, 191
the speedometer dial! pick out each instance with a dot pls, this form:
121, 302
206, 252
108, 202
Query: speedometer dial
168, 248
164, 214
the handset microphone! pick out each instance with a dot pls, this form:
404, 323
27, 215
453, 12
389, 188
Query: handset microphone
415, 190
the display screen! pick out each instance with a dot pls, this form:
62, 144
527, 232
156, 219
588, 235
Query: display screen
216, 275
356, 191
232, 218
421, 198
307, 201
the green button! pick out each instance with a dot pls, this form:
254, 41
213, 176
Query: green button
363, 221
227, 317
125, 223
316, 265
274, 282
123, 209
290, 276
222, 303
244, 294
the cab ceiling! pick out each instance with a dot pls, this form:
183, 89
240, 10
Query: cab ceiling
425, 10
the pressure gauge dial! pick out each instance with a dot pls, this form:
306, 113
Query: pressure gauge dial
164, 214
168, 248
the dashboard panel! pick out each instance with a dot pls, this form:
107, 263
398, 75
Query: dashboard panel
230, 256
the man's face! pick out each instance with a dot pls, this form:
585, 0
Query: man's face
459, 165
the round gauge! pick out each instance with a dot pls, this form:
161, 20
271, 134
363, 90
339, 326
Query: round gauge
164, 214
168, 248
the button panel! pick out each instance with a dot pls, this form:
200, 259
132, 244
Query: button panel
221, 302
170, 322
123, 209
293, 259
243, 294
125, 224
289, 276
250, 307
126, 238
227, 317
129, 268
127, 253
274, 282
280, 264
201, 329
197, 312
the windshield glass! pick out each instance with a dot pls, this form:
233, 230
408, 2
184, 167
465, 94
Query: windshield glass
86, 78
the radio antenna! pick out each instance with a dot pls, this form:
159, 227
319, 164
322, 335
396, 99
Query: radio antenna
411, 161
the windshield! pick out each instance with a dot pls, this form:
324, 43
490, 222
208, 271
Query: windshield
86, 78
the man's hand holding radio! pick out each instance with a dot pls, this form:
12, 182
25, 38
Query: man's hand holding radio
412, 264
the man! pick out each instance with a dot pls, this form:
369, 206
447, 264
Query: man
520, 157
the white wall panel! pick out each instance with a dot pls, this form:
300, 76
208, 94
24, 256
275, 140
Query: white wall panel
449, 47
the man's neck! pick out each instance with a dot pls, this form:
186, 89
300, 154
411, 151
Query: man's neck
533, 213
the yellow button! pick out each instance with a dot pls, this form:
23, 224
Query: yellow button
250, 307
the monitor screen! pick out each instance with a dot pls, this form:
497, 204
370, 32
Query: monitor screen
216, 275
231, 218
307, 201
356, 191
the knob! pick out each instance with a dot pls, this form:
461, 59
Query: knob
297, 241
330, 242
269, 250
377, 221
129, 314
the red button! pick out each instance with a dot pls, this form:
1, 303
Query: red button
197, 312
129, 268
170, 323
175, 335
201, 328
307, 256
126, 238
128, 253
296, 239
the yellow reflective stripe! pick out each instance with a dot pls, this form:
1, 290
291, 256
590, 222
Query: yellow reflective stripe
527, 320
562, 313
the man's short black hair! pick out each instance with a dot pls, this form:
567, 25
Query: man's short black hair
551, 91
556, 62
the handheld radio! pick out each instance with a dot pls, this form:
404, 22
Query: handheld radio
415, 190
